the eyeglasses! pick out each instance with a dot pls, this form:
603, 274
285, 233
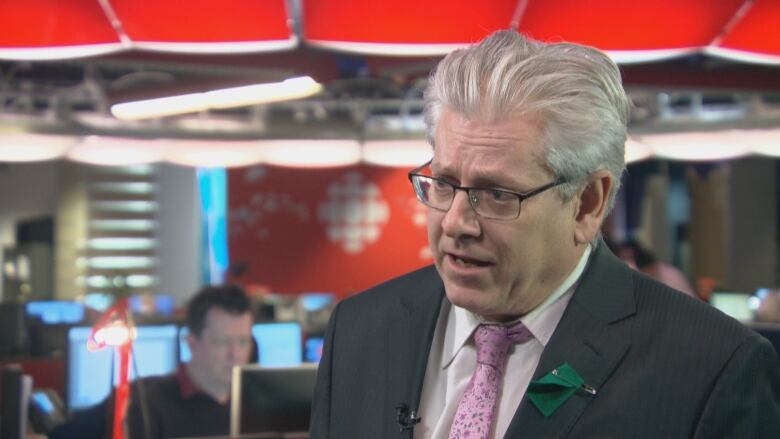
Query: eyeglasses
496, 204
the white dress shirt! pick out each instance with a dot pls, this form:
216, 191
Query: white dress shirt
453, 358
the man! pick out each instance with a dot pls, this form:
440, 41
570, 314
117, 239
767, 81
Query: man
195, 400
640, 258
528, 326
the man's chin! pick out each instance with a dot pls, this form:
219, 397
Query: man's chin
475, 300
226, 378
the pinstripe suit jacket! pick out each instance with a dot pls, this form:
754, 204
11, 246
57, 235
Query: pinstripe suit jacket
664, 364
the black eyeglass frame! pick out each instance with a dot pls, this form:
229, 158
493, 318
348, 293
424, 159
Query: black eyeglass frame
521, 196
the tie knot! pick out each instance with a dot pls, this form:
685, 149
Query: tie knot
493, 342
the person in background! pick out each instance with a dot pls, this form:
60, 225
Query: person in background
527, 326
640, 258
195, 400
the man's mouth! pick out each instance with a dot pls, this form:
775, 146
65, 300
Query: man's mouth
466, 262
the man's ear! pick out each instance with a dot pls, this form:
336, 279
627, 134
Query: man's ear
592, 207
191, 339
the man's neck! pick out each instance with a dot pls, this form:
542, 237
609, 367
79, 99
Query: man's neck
219, 391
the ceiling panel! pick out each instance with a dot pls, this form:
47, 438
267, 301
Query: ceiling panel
53, 29
402, 27
206, 25
755, 36
629, 25
628, 30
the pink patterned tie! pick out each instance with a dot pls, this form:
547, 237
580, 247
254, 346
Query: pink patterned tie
477, 407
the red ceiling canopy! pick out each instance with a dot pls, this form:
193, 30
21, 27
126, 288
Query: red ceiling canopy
746, 30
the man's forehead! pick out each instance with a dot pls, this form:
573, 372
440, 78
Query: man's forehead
217, 317
519, 129
518, 115
511, 158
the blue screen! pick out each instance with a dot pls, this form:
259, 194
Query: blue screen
89, 373
316, 301
184, 348
41, 399
279, 344
56, 311
98, 301
313, 349
153, 304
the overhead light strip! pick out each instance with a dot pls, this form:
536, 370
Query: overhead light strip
220, 48
117, 151
54, 53
293, 88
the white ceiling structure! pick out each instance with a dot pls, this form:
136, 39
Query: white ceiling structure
689, 65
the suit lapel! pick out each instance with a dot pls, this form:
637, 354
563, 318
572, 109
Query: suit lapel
409, 341
593, 336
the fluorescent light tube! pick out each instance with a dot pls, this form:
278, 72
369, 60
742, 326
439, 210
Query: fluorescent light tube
293, 88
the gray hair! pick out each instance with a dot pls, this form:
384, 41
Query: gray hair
576, 90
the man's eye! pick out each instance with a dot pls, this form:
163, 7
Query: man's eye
500, 196
440, 185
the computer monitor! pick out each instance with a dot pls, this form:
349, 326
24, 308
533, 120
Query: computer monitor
314, 310
89, 378
316, 301
148, 304
313, 349
185, 355
46, 410
279, 344
99, 302
737, 305
55, 312
271, 399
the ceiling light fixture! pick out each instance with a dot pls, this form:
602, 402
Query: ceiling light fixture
696, 146
117, 151
311, 153
214, 153
244, 96
397, 153
636, 151
26, 147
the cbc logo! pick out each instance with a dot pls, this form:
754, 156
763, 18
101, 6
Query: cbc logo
354, 212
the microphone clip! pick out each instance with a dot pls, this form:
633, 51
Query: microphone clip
406, 419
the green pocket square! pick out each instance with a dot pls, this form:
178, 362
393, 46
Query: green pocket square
552, 390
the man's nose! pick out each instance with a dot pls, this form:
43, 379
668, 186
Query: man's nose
461, 219
235, 349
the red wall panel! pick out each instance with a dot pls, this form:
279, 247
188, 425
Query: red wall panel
338, 230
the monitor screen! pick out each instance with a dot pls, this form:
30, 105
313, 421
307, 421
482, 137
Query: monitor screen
160, 304
279, 344
56, 311
316, 301
313, 352
89, 378
267, 400
98, 301
185, 355
737, 305
46, 410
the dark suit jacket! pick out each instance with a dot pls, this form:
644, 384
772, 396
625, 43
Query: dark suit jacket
664, 365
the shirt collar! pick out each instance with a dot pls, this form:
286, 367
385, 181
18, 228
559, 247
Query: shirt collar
186, 386
541, 321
